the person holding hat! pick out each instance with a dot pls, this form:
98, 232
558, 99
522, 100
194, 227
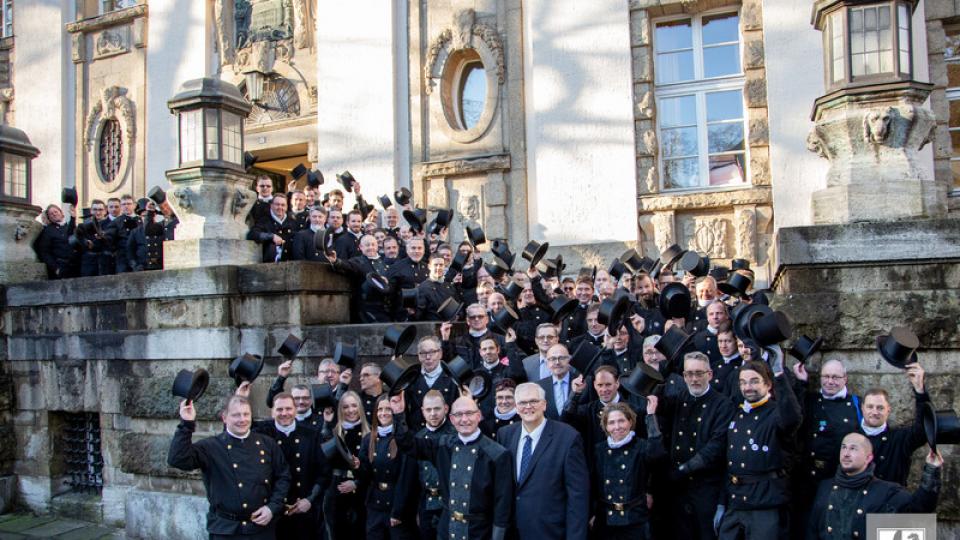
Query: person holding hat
505, 412
532, 315
370, 288
673, 384
304, 245
343, 503
467, 345
758, 439
576, 324
582, 412
843, 502
475, 480
596, 331
620, 470
387, 477
145, 243
407, 273
432, 293
92, 242
309, 474
347, 244
618, 351
244, 473
274, 232
432, 377
119, 232
697, 421
829, 414
391, 221
427, 488
53, 245
893, 447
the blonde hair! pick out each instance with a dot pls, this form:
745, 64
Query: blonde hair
364, 426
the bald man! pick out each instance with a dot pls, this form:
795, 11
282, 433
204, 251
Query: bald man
843, 502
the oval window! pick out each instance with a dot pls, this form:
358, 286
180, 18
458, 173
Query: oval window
473, 94
111, 150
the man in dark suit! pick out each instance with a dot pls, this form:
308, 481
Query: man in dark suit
303, 243
347, 245
552, 493
534, 367
274, 232
558, 385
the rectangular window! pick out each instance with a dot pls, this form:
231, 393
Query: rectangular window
6, 18
952, 57
15, 176
871, 44
107, 6
191, 136
700, 109
232, 144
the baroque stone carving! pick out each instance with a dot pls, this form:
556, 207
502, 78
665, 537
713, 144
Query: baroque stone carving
303, 18
876, 125
468, 209
110, 43
240, 201
663, 234
710, 236
253, 34
745, 222
113, 104
465, 166
185, 198
466, 29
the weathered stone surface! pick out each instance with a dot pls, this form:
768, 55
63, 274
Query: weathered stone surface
639, 28
753, 56
755, 88
755, 195
165, 515
760, 165
642, 64
646, 138
8, 486
751, 15
143, 453
151, 398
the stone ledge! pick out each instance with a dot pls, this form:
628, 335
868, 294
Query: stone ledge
870, 242
705, 199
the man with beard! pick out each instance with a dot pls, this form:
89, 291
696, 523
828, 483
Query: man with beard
309, 474
347, 245
697, 421
758, 438
304, 248
244, 473
843, 503
430, 506
407, 273
467, 346
370, 295
648, 304
475, 474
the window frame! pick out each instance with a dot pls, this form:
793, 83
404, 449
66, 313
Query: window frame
6, 6
952, 93
699, 87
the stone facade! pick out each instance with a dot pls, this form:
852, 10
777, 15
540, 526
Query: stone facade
938, 15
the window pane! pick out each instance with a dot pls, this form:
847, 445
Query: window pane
15, 176
191, 139
726, 170
725, 137
673, 35
953, 74
678, 142
677, 111
675, 67
213, 140
232, 146
721, 28
836, 34
473, 94
724, 105
720, 61
955, 167
681, 173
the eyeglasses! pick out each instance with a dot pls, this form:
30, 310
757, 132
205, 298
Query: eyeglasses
528, 403
475, 317
428, 353
303, 398
558, 359
695, 374
462, 414
833, 377
546, 338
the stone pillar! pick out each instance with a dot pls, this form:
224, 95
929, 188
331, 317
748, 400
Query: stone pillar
18, 230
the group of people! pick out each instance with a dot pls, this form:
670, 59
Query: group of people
654, 424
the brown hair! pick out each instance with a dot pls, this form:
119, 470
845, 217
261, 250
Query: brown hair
234, 398
605, 369
282, 395
619, 407
505, 384
761, 368
877, 392
374, 435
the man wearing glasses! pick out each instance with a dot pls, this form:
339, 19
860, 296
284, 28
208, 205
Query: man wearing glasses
431, 377
547, 455
534, 367
475, 473
467, 346
558, 385
698, 421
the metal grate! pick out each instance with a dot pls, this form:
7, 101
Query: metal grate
111, 150
81, 435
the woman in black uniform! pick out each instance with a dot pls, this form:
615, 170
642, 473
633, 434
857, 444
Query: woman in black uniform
343, 507
387, 478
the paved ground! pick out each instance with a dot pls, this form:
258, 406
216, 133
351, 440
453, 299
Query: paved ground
28, 526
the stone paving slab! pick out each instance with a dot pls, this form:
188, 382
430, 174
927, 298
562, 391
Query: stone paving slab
23, 523
55, 528
29, 527
91, 532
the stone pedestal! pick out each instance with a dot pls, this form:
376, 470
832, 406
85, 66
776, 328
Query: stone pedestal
872, 140
212, 204
18, 230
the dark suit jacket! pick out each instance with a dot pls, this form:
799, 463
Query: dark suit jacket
552, 498
547, 384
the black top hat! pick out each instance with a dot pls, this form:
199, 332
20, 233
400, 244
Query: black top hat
504, 319
899, 348
249, 160
478, 381
616, 270
323, 397
562, 307
314, 178
476, 236
190, 385
719, 273
497, 269
298, 171
642, 380
415, 221
501, 249
940, 427
444, 217
86, 214
675, 301
671, 255
551, 267
68, 195
323, 240
632, 260
291, 346
692, 263
534, 251
157, 194
770, 328
805, 347
346, 180
345, 355
402, 196
584, 357
674, 343
449, 309
456, 265
385, 201
408, 298
376, 282
736, 285
336, 451
739, 264
246, 368
399, 338
743, 314
398, 374
512, 290
655, 269
761, 297
612, 312
142, 205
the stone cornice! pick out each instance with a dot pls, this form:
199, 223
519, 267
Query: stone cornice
705, 199
465, 165
108, 20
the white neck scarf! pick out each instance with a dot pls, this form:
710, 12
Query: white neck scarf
304, 416
383, 431
432, 376
872, 431
350, 425
614, 445
286, 430
469, 438
842, 394
235, 436
505, 416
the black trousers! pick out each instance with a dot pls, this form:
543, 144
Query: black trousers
378, 527
267, 534
626, 532
344, 514
752, 524
693, 509
429, 520
298, 526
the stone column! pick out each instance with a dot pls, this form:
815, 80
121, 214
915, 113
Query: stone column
18, 230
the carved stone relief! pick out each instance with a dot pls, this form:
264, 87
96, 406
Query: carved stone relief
113, 104
663, 233
466, 28
745, 224
709, 235
111, 42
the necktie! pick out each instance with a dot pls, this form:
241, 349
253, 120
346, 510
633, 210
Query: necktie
525, 456
561, 395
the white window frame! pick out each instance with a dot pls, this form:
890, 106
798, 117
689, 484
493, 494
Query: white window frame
699, 87
102, 4
6, 18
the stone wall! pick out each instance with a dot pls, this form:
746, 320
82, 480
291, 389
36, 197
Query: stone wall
939, 14
852, 283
